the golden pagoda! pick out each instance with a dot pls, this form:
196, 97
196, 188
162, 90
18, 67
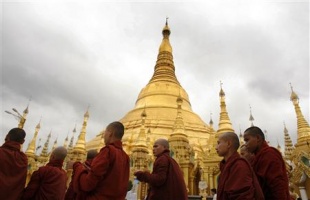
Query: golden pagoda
288, 144
43, 158
31, 154
167, 119
79, 150
300, 174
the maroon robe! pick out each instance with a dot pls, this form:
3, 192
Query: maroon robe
166, 181
13, 171
270, 170
48, 182
237, 180
108, 176
70, 193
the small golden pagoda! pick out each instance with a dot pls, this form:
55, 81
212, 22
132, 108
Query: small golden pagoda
300, 157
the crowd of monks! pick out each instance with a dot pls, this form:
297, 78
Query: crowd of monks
258, 173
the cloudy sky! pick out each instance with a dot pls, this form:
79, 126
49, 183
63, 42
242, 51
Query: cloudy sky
67, 56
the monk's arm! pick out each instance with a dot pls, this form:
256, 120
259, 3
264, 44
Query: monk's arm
272, 165
159, 175
32, 186
240, 181
99, 166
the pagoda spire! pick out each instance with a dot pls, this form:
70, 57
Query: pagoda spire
224, 122
66, 141
279, 147
303, 129
241, 139
142, 137
178, 129
251, 118
288, 145
72, 138
179, 142
79, 150
43, 158
46, 144
54, 145
31, 150
164, 68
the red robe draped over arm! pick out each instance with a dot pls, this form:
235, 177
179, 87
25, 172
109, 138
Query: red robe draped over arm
108, 176
271, 172
166, 181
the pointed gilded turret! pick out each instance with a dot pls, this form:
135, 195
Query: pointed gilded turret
224, 123
43, 158
54, 145
79, 150
241, 139
66, 141
288, 145
141, 140
303, 129
31, 150
251, 118
164, 68
178, 139
179, 143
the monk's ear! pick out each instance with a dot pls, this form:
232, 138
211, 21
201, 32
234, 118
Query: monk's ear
229, 143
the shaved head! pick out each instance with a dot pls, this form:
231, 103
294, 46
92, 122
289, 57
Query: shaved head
91, 154
59, 153
233, 137
163, 142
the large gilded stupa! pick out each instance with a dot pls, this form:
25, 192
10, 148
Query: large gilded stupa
163, 110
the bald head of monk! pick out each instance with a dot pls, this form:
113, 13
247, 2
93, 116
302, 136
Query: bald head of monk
59, 153
227, 144
160, 146
91, 154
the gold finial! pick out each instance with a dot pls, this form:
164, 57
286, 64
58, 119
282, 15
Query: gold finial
251, 116
167, 21
222, 93
294, 96
211, 121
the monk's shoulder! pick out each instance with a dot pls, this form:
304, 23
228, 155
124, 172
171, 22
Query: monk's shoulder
162, 160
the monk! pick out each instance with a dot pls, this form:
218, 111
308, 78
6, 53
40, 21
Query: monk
71, 194
108, 175
237, 179
246, 154
49, 181
166, 181
13, 167
268, 165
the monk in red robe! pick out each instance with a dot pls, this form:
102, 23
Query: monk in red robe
70, 194
268, 165
49, 181
13, 165
108, 175
237, 180
166, 181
